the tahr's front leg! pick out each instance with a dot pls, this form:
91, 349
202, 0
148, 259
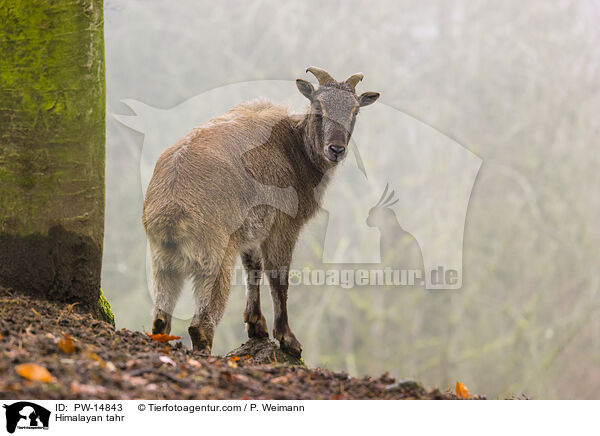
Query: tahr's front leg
256, 325
277, 255
281, 329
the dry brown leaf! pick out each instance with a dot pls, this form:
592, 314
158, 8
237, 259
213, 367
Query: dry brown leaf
135, 381
83, 389
462, 392
281, 379
93, 356
162, 338
70, 307
227, 376
66, 344
194, 363
35, 372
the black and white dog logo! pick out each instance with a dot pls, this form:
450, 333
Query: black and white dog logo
26, 415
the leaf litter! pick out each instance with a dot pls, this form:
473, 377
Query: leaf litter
52, 351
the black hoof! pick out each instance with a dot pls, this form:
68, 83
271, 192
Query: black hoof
159, 326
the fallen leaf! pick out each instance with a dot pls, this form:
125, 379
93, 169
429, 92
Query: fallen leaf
71, 306
194, 363
167, 359
231, 363
281, 379
66, 344
247, 356
242, 378
234, 358
227, 376
82, 389
14, 387
93, 356
14, 354
162, 338
135, 381
462, 392
35, 372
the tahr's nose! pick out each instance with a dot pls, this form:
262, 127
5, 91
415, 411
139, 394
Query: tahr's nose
337, 150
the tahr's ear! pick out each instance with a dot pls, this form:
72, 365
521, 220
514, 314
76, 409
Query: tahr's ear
367, 98
305, 88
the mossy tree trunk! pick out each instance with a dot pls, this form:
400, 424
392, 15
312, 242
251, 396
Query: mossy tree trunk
52, 133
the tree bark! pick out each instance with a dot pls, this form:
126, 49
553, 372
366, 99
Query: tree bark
52, 134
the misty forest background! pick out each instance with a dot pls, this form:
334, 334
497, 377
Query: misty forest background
514, 82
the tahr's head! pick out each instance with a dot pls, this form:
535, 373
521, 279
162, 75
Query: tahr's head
333, 109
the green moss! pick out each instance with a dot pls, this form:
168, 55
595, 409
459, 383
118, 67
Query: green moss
52, 151
105, 310
52, 113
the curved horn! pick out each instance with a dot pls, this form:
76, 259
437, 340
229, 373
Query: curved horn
354, 79
321, 75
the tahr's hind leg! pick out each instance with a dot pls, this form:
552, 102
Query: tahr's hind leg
167, 284
211, 291
256, 325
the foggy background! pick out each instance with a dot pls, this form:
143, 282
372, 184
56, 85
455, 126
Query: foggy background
516, 83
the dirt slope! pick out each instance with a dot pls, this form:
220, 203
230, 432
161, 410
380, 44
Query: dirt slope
123, 364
